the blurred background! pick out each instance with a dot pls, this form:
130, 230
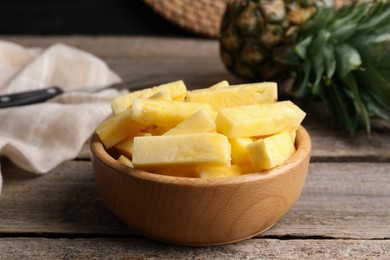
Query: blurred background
87, 17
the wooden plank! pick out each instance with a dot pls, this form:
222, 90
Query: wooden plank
138, 248
337, 146
197, 72
126, 47
330, 144
340, 200
64, 200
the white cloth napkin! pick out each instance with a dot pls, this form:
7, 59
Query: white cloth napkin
39, 137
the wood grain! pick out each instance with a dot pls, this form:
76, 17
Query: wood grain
63, 200
123, 47
338, 201
138, 248
341, 200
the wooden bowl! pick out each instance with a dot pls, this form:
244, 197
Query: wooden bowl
199, 212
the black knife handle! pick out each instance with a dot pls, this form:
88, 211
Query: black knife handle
29, 97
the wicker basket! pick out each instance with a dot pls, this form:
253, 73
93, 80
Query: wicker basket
202, 17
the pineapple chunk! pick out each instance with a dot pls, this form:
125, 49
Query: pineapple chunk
225, 171
117, 128
221, 84
123, 102
176, 89
164, 113
293, 135
239, 151
125, 147
272, 151
259, 120
160, 130
209, 149
126, 161
238, 95
200, 122
162, 94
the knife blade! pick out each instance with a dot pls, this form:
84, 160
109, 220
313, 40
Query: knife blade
42, 95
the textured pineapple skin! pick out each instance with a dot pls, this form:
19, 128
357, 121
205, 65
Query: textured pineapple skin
254, 33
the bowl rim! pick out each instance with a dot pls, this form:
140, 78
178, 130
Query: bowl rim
303, 150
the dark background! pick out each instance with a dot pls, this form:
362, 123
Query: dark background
88, 17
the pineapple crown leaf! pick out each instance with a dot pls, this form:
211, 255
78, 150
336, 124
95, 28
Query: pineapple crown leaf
339, 56
372, 47
348, 59
301, 47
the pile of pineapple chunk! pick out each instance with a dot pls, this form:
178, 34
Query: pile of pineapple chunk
220, 131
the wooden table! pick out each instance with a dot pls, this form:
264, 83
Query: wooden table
343, 212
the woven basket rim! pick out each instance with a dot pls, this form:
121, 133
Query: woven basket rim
202, 17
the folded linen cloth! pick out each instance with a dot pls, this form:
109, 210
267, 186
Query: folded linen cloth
39, 137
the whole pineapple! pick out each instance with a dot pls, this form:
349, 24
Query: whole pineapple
337, 51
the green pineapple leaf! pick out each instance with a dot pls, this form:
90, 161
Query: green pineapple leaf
346, 63
329, 62
348, 59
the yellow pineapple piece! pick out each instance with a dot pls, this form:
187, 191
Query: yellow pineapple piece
293, 135
122, 102
221, 84
225, 171
237, 95
160, 130
163, 95
126, 161
177, 90
117, 128
239, 151
125, 147
259, 120
190, 150
270, 152
164, 113
199, 122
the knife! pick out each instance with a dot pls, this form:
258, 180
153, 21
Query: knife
42, 95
